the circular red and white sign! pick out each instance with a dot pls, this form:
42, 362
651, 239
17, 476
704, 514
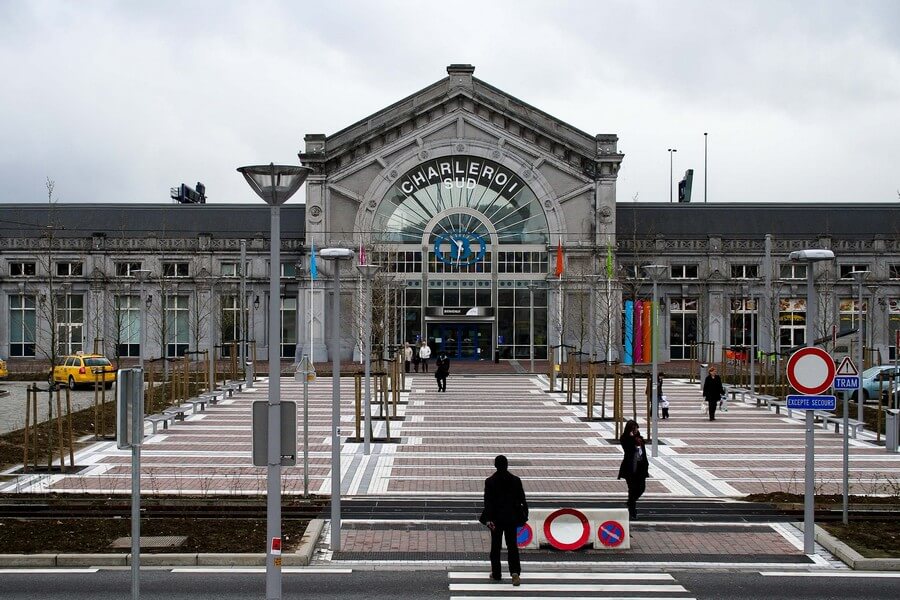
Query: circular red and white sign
567, 529
810, 371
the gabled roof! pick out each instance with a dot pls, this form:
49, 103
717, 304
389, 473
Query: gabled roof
459, 83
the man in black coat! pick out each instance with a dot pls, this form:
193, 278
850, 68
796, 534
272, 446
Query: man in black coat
713, 390
505, 510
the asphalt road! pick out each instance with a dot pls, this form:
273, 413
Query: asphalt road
231, 584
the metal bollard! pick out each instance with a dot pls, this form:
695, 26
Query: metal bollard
892, 429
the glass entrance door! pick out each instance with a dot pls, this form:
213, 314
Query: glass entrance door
461, 341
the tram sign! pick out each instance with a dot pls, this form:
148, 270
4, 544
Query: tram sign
810, 371
847, 376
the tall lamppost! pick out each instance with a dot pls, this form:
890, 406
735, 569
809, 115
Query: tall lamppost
655, 272
671, 175
531, 287
368, 272
336, 255
242, 308
142, 276
860, 278
751, 307
810, 257
275, 184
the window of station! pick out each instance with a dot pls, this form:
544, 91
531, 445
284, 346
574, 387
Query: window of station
792, 321
894, 271
744, 271
439, 266
682, 326
847, 269
128, 322
514, 320
457, 293
398, 262
175, 269
69, 269
127, 269
22, 269
793, 271
522, 262
684, 271
893, 325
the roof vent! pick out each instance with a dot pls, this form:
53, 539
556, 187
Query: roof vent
460, 75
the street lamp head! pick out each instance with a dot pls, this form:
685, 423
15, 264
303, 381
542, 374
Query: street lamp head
275, 184
368, 271
811, 255
860, 276
149, 300
336, 253
256, 303
656, 272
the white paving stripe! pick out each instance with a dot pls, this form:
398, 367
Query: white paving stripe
857, 574
488, 586
238, 570
570, 575
47, 571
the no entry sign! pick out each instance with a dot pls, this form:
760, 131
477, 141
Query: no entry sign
567, 529
810, 371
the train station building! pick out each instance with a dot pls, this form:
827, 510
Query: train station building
498, 233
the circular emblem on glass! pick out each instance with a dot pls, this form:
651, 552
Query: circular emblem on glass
459, 248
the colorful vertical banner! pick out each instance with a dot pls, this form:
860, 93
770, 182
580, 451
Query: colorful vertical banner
628, 359
648, 331
638, 350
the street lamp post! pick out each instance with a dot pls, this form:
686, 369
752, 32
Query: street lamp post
656, 272
242, 304
275, 184
531, 287
860, 278
671, 175
142, 275
810, 257
368, 272
336, 255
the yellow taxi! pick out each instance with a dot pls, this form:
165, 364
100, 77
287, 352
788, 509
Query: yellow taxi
80, 368
3, 371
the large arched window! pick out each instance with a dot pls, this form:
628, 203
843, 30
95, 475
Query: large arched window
444, 185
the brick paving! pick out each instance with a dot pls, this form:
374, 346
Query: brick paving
447, 442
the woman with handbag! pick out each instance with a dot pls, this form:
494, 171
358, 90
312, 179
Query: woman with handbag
635, 467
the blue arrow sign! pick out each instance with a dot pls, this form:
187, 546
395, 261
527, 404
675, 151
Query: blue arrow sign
846, 382
811, 402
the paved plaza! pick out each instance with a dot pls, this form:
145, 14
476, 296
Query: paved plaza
442, 448
447, 442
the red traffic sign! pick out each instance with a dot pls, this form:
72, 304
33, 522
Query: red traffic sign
567, 529
276, 546
810, 371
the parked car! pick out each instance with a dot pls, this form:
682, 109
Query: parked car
80, 369
3, 370
876, 379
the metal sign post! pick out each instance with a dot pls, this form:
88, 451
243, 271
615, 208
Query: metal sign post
810, 371
307, 372
130, 434
846, 378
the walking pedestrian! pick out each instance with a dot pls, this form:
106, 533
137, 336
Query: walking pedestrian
635, 466
424, 355
663, 401
442, 371
505, 510
407, 356
415, 358
713, 390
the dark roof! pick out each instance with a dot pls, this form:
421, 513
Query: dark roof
756, 220
142, 220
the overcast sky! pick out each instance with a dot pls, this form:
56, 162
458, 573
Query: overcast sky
119, 101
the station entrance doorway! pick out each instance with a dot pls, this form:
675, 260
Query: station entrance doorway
461, 341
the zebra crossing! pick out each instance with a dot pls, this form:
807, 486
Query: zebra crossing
471, 585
